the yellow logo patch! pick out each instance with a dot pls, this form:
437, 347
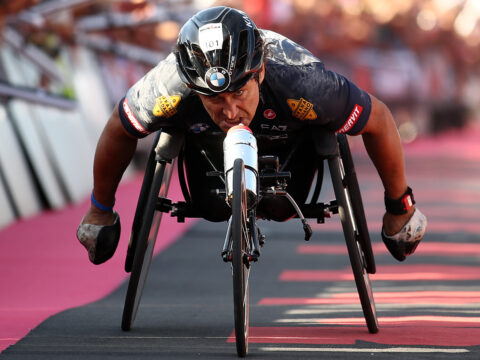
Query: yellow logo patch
302, 109
166, 105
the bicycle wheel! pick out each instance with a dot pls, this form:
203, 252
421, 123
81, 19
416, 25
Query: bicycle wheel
240, 251
147, 235
355, 252
137, 220
351, 181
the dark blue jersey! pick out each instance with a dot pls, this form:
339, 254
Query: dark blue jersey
297, 92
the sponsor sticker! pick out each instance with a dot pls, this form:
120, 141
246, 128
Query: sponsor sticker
302, 109
352, 119
210, 36
166, 105
132, 119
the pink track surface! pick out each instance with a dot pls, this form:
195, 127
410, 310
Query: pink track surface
45, 270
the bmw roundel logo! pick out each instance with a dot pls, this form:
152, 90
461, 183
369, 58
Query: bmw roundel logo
217, 79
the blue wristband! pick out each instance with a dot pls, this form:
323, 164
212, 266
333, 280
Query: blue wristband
100, 206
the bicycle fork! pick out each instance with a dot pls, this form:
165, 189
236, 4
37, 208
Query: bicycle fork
253, 235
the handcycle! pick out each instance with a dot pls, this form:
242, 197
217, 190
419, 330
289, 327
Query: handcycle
245, 179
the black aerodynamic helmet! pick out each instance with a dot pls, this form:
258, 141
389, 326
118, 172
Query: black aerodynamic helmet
218, 50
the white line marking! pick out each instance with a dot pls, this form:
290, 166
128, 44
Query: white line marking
339, 288
367, 350
435, 308
384, 320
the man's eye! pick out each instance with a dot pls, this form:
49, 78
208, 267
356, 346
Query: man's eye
214, 99
239, 92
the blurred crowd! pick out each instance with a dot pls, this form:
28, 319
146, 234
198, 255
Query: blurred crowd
420, 56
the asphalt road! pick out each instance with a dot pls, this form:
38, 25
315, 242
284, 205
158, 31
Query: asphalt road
303, 300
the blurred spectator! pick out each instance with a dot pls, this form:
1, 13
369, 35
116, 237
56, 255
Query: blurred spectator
9, 7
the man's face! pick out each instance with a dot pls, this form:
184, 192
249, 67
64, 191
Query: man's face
232, 108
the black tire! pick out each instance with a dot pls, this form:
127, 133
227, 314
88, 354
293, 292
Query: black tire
240, 268
351, 181
355, 253
141, 203
147, 234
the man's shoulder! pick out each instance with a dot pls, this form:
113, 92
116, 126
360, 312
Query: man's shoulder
293, 72
291, 67
165, 77
161, 92
284, 51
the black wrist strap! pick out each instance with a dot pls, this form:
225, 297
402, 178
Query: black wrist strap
401, 205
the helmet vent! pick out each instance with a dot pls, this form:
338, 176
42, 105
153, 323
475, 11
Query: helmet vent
198, 57
258, 53
242, 52
225, 52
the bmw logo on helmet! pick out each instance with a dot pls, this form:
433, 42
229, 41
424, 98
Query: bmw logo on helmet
217, 79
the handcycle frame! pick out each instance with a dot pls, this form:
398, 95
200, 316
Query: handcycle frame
243, 238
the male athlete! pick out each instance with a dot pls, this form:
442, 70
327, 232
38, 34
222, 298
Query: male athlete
223, 72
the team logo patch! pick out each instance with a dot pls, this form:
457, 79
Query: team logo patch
269, 114
352, 119
302, 109
217, 79
166, 105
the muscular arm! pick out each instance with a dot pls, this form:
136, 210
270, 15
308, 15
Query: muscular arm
384, 147
114, 152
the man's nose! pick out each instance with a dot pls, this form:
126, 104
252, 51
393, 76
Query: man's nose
230, 109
